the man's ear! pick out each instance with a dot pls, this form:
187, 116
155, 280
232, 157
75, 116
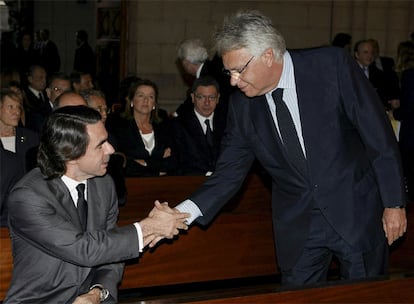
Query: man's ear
48, 92
268, 56
192, 98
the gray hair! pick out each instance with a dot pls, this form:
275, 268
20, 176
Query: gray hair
91, 92
192, 50
251, 30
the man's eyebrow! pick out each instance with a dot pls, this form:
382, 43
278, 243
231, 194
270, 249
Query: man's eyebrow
101, 142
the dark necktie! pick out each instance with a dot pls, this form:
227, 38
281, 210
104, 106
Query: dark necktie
209, 133
82, 206
288, 132
41, 97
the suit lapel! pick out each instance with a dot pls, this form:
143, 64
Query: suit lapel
263, 122
63, 197
309, 104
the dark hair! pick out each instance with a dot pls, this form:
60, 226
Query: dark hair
356, 47
205, 81
75, 76
128, 113
82, 35
57, 75
33, 68
341, 40
6, 92
64, 137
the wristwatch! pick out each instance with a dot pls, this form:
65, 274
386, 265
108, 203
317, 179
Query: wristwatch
104, 292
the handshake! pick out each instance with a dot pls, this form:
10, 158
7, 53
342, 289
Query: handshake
162, 222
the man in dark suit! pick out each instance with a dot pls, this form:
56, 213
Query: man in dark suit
313, 121
196, 144
85, 59
67, 247
385, 83
57, 84
49, 53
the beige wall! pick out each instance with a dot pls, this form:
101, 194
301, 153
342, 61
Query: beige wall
155, 28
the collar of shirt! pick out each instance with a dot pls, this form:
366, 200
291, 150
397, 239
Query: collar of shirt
36, 92
201, 119
287, 78
71, 185
199, 70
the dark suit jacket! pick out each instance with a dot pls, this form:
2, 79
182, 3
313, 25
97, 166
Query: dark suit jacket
49, 57
130, 143
11, 171
34, 102
54, 260
193, 154
27, 142
85, 60
385, 83
36, 117
353, 162
14, 165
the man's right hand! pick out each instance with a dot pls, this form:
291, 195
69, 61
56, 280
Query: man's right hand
162, 222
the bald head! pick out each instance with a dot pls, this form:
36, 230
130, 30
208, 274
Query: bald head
69, 99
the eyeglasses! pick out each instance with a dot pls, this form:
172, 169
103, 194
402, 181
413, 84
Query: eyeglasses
237, 72
56, 89
103, 110
204, 97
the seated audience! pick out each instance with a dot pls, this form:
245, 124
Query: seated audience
198, 131
143, 136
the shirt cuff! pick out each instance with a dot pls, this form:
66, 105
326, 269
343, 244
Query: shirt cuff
140, 237
188, 206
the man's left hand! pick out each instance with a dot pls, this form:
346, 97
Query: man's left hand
394, 221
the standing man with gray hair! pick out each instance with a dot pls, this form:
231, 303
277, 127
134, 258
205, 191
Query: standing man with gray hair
314, 122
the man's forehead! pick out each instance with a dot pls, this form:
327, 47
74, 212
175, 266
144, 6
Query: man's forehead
96, 131
206, 87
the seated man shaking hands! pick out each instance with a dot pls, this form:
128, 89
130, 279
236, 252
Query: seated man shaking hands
67, 247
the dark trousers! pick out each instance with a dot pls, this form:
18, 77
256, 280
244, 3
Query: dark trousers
322, 244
